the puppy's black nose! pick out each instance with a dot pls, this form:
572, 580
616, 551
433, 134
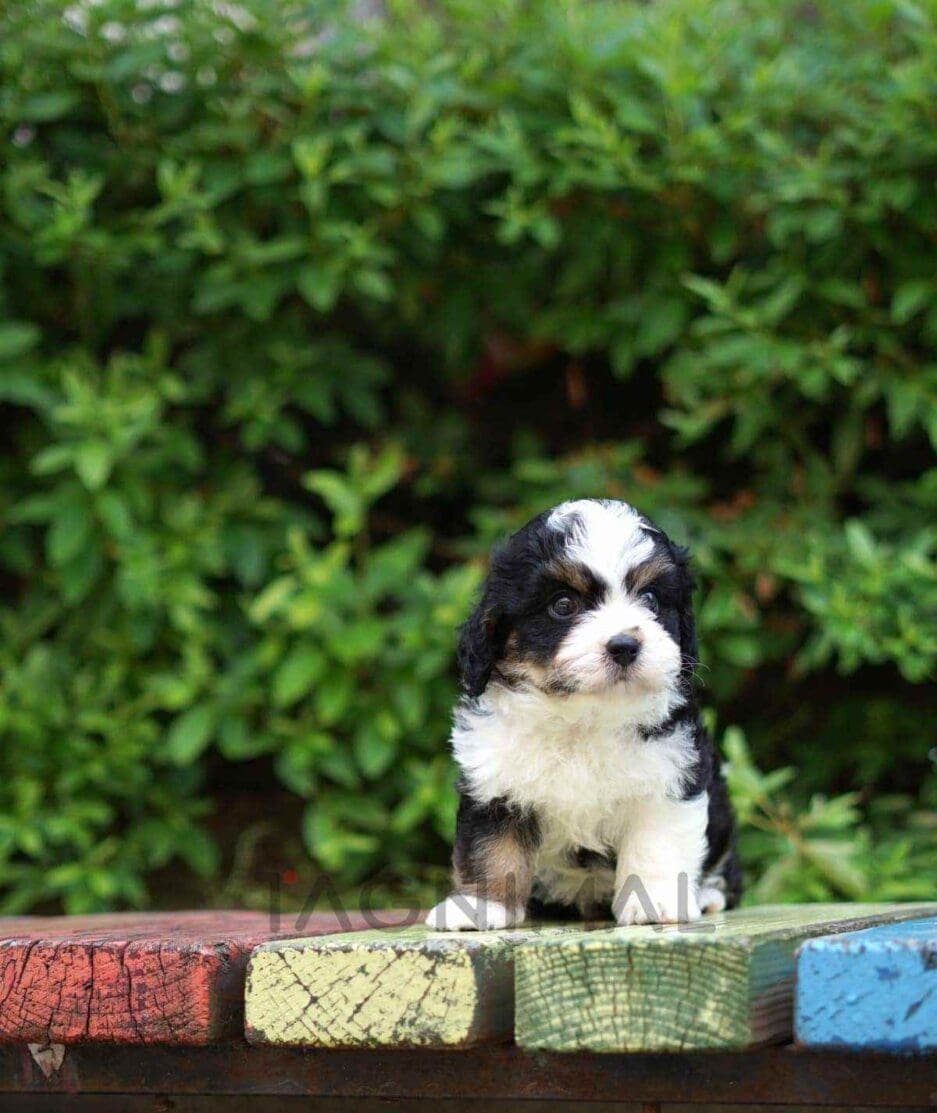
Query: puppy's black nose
623, 648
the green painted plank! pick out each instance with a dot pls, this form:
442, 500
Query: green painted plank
406, 988
723, 982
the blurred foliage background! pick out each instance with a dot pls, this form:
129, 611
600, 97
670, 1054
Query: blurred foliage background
302, 305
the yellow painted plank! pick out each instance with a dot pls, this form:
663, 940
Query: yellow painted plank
407, 988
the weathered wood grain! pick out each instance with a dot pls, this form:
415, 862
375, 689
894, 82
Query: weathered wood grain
410, 988
724, 982
871, 990
128, 978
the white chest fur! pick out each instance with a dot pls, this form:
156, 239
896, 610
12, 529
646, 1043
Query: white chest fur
575, 761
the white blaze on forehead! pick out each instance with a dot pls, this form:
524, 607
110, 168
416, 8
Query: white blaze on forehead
608, 537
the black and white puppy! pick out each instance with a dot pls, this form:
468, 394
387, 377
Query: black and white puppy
587, 777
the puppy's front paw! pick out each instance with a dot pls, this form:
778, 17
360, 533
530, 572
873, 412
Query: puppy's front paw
463, 912
711, 899
662, 900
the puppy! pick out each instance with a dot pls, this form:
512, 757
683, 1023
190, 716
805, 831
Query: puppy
587, 778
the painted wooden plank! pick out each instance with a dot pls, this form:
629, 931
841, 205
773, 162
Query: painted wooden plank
871, 990
724, 982
128, 978
410, 988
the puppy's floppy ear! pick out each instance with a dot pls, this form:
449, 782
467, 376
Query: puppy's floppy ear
478, 648
688, 646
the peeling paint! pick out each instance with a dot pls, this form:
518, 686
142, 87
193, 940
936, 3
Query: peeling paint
48, 1057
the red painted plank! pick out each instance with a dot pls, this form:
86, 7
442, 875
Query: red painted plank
171, 977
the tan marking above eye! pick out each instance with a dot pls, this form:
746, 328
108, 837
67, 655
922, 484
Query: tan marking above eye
573, 575
645, 574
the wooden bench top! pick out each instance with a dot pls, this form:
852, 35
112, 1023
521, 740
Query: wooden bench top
134, 1005
725, 982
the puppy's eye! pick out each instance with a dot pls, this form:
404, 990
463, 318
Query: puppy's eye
650, 600
564, 606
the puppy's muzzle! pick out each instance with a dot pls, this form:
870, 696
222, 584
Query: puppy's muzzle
623, 649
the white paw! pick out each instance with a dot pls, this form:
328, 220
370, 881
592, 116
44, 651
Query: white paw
711, 899
462, 912
667, 900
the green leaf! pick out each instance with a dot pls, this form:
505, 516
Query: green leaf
190, 734
93, 462
296, 768
390, 566
41, 108
79, 575
342, 499
380, 473
410, 702
339, 764
374, 284
374, 751
836, 859
53, 458
333, 697
17, 338
910, 298
272, 599
741, 650
298, 671
238, 742
359, 641
320, 286
331, 843
69, 533
115, 513
861, 542
661, 324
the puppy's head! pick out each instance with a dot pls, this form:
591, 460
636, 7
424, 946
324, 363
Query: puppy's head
586, 597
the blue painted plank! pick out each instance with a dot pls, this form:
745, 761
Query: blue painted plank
871, 990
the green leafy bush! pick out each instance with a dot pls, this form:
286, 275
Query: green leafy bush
301, 308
